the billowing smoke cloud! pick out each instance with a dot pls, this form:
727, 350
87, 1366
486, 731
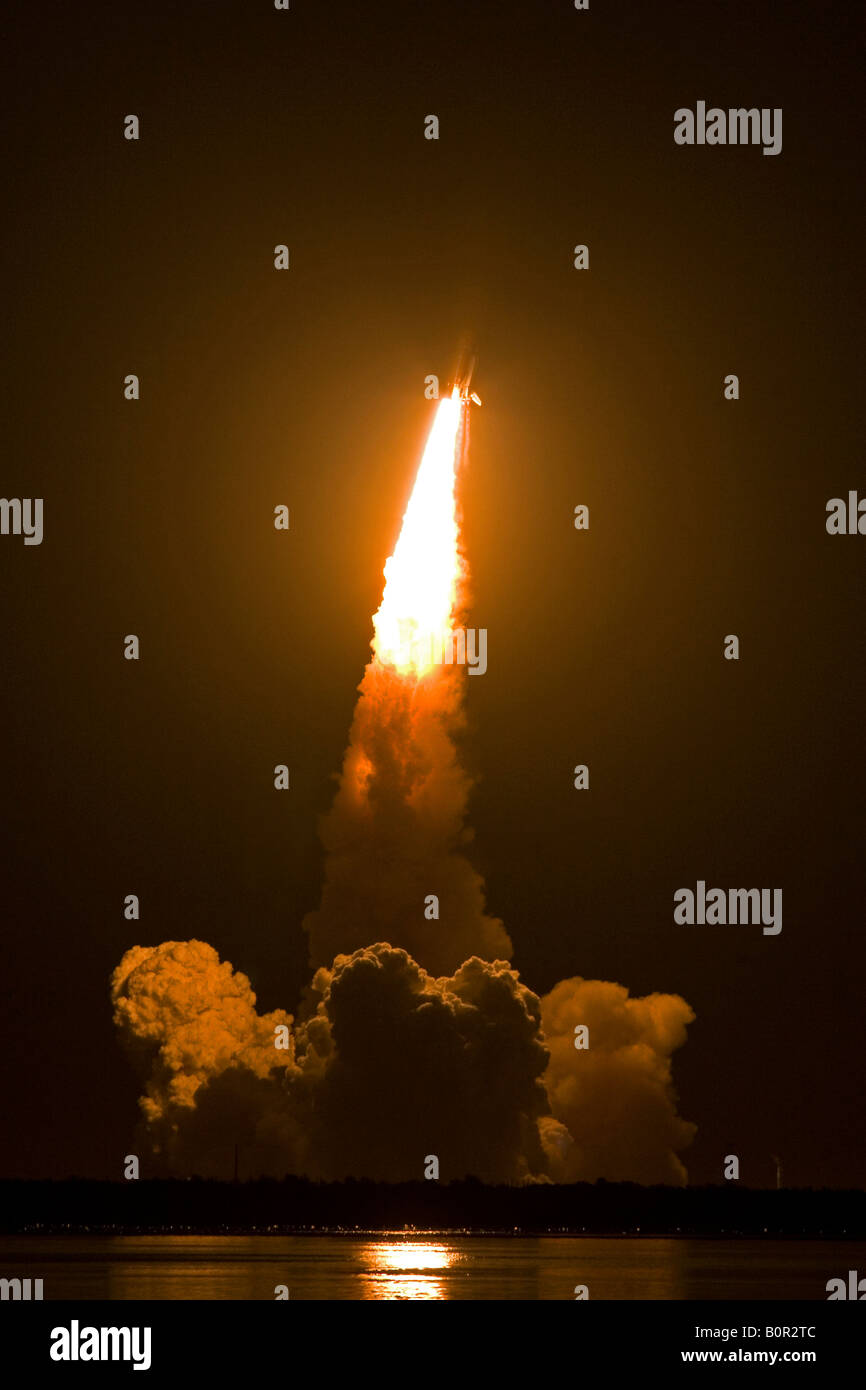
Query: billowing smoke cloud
214, 1076
394, 834
392, 1066
411, 1066
615, 1098
391, 1063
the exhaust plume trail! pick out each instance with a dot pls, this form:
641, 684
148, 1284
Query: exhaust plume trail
394, 833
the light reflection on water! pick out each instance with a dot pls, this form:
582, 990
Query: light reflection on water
416, 1266
406, 1269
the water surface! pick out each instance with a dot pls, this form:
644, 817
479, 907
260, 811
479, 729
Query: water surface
417, 1266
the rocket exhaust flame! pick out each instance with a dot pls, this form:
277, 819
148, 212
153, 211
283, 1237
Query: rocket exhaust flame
416, 1032
422, 576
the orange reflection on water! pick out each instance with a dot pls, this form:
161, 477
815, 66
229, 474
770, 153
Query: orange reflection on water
404, 1269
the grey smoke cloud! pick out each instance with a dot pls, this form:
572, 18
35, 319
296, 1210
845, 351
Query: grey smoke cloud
616, 1099
392, 1064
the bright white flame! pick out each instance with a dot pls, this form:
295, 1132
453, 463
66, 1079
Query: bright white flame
421, 577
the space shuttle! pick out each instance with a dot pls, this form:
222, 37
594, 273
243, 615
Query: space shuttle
463, 379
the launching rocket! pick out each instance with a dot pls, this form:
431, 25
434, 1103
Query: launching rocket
463, 379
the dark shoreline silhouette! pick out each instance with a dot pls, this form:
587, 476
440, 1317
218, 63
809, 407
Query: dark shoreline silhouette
299, 1206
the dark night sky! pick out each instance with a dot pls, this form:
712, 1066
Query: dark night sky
707, 517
